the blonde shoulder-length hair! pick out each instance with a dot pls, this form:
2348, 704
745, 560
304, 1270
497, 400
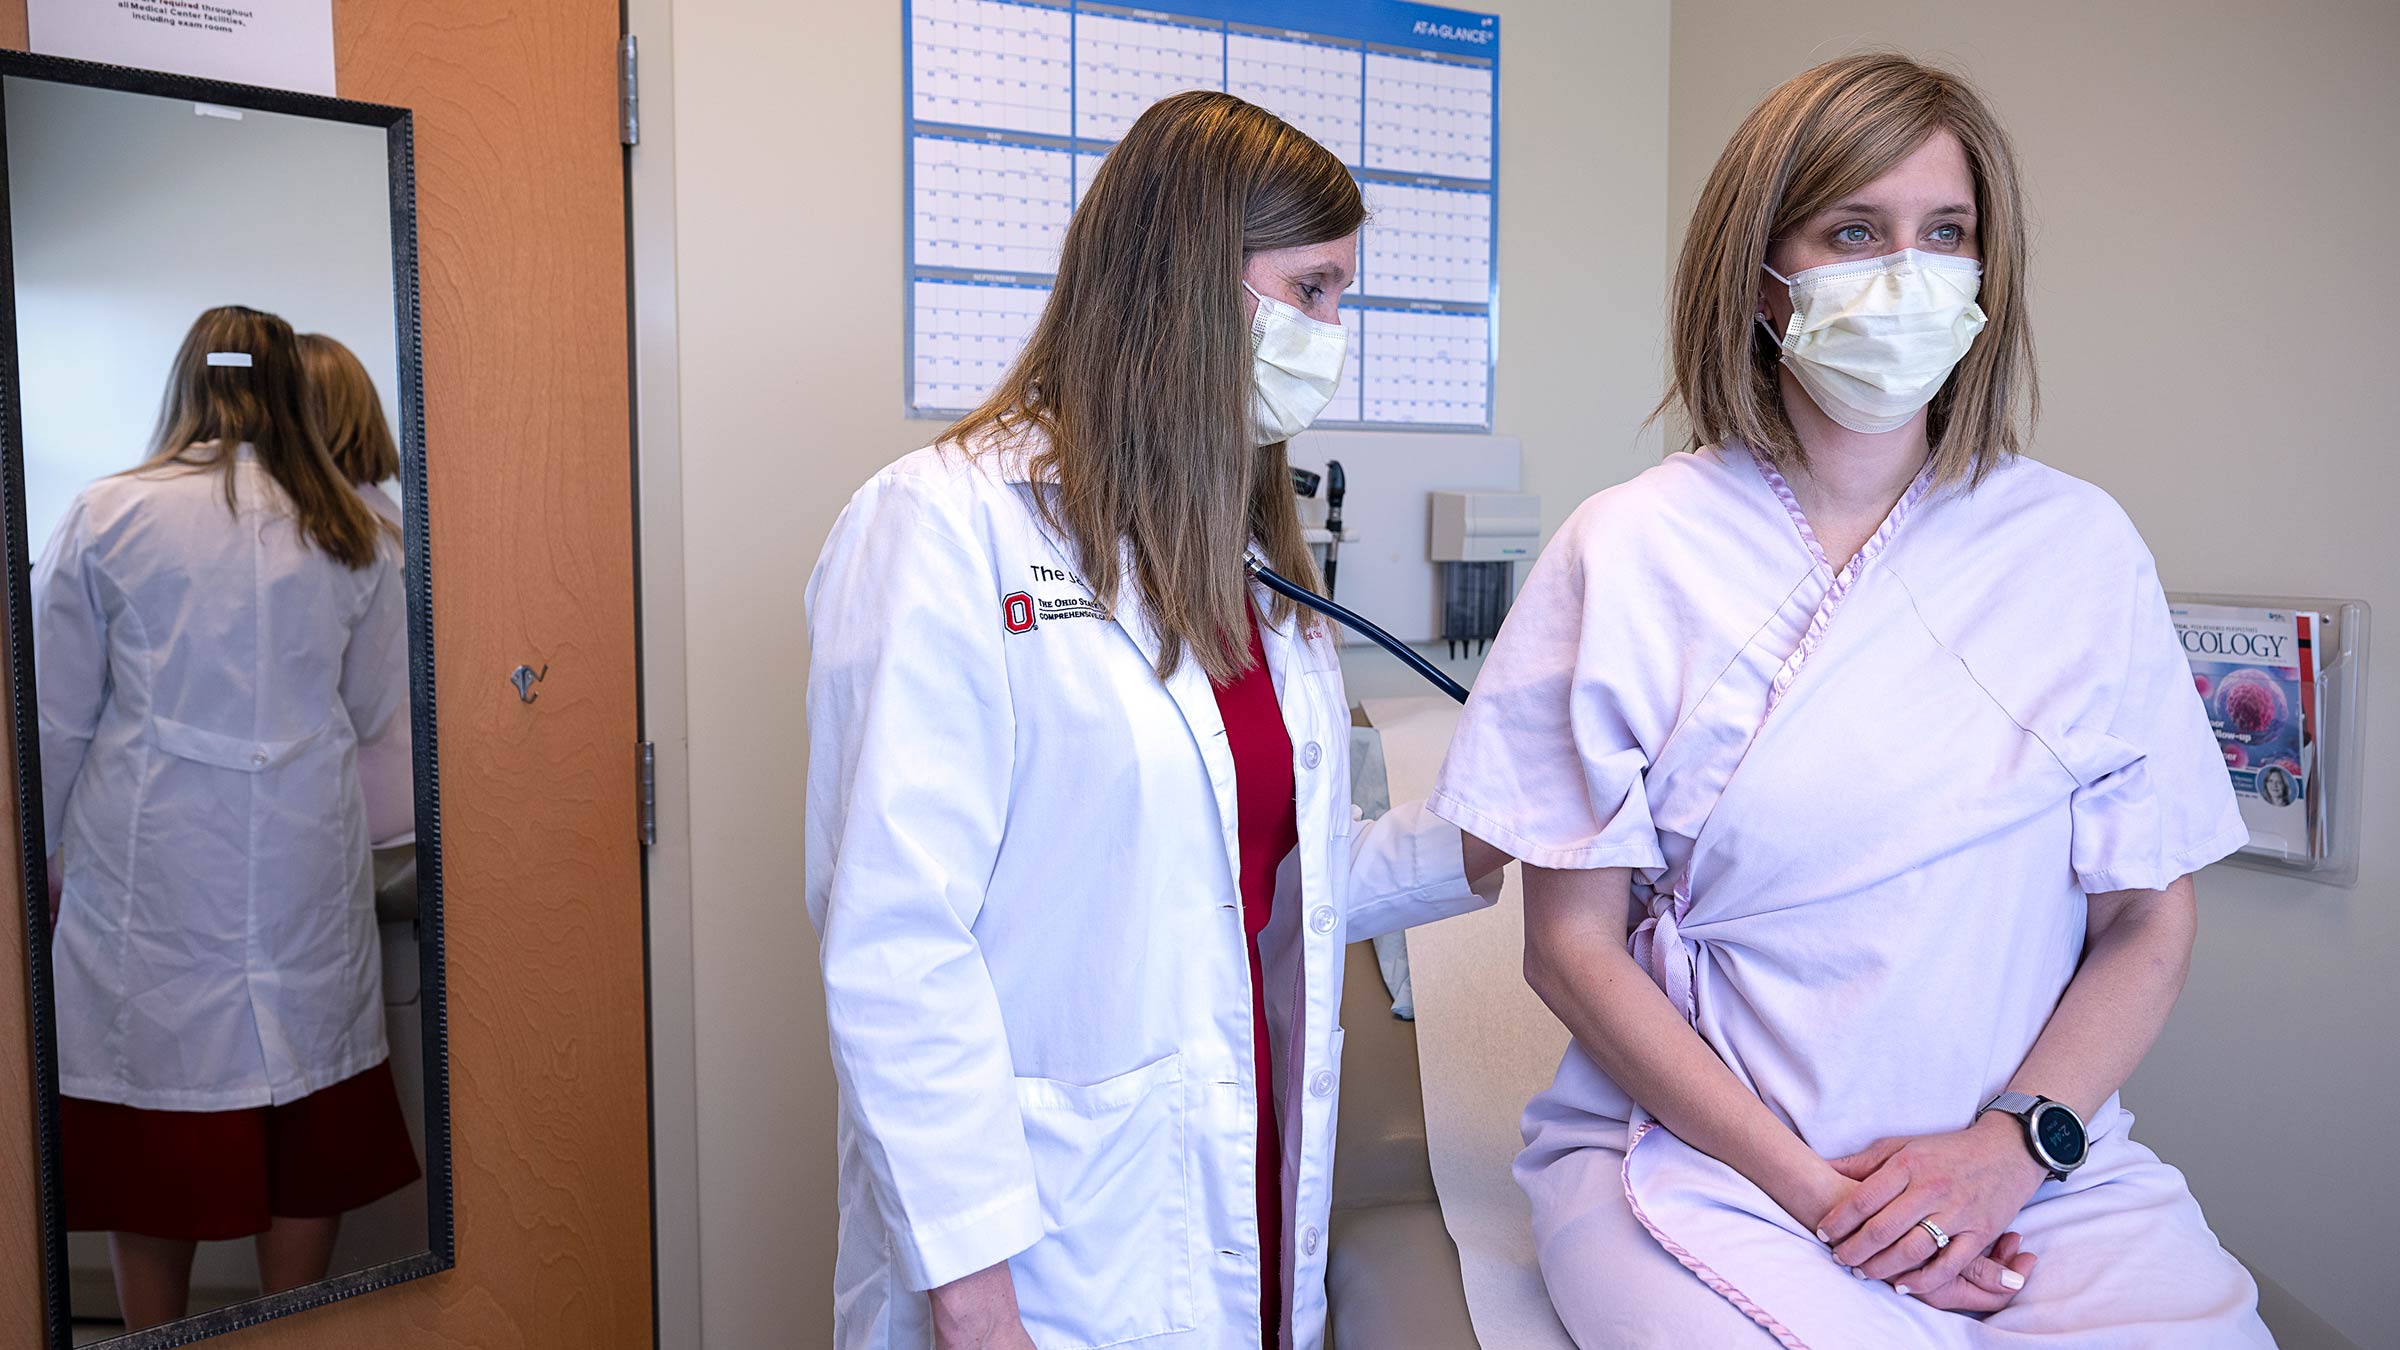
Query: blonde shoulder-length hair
1821, 135
349, 415
1137, 376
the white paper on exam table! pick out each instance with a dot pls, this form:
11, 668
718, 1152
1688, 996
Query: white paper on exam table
1485, 1045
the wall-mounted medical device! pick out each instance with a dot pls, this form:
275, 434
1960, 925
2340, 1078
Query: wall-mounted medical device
1476, 540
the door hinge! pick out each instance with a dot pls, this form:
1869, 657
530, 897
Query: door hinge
629, 92
648, 774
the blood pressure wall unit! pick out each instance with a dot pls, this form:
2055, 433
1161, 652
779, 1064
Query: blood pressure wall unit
1477, 539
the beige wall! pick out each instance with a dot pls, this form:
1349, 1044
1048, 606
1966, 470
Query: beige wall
785, 154
2213, 193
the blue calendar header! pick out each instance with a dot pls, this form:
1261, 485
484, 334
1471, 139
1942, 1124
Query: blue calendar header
1390, 23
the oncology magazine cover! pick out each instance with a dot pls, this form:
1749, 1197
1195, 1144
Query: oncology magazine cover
2247, 666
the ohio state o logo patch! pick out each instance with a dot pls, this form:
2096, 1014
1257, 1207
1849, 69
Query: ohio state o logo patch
1016, 612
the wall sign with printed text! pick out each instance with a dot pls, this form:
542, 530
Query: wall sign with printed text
281, 44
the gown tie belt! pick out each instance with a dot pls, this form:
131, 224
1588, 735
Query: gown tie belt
1660, 948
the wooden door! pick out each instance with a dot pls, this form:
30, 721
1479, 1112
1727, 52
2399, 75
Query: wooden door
521, 249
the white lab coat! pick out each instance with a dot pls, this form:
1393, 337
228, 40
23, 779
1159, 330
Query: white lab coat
204, 680
1021, 863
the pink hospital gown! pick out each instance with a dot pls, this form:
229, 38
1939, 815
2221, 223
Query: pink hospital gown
1865, 808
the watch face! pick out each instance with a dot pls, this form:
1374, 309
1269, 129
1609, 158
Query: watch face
2061, 1137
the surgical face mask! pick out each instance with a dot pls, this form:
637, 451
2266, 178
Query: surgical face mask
1295, 365
1871, 341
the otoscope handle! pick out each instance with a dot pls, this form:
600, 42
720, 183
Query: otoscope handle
1335, 486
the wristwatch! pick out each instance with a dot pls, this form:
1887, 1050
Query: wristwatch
2053, 1132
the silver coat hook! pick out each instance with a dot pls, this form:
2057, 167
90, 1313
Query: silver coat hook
525, 678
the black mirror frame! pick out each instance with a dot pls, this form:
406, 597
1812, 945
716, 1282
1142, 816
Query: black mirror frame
441, 1253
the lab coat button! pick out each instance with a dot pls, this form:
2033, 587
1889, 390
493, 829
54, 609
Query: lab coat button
1308, 1242
1322, 1084
1322, 920
1311, 756
258, 756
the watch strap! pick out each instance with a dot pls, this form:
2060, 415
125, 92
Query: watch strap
2024, 1106
2014, 1103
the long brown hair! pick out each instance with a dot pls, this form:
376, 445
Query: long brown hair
212, 410
1818, 137
1138, 373
341, 395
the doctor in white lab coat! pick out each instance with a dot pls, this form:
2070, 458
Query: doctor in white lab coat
1026, 807
215, 632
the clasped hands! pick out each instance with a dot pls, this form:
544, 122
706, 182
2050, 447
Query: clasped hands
1972, 1183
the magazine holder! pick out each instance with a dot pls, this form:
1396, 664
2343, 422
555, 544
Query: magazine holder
2339, 779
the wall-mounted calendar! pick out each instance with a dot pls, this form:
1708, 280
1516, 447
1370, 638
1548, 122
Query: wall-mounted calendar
1012, 104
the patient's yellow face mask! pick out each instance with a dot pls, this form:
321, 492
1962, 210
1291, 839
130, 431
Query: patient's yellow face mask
1871, 341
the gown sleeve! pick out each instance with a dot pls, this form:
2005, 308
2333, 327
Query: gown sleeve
1548, 759
912, 736
2166, 808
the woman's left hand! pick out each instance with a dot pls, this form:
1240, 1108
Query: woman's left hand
1972, 1183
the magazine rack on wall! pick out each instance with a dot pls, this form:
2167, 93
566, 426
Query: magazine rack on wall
2337, 779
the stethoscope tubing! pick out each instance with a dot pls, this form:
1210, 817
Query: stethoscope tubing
1299, 594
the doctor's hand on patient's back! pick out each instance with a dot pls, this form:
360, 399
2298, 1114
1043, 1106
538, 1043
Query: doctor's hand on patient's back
979, 1312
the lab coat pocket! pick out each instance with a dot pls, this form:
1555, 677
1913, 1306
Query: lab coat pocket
1109, 1159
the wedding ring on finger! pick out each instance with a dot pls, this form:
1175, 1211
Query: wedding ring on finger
1934, 1230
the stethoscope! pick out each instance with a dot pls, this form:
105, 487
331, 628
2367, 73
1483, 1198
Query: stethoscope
1291, 590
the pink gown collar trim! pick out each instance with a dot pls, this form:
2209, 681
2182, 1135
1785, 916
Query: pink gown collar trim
1845, 579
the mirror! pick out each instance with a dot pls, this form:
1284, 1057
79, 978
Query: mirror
217, 600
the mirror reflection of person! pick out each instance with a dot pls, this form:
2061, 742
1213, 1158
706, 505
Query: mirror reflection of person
216, 631
342, 398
